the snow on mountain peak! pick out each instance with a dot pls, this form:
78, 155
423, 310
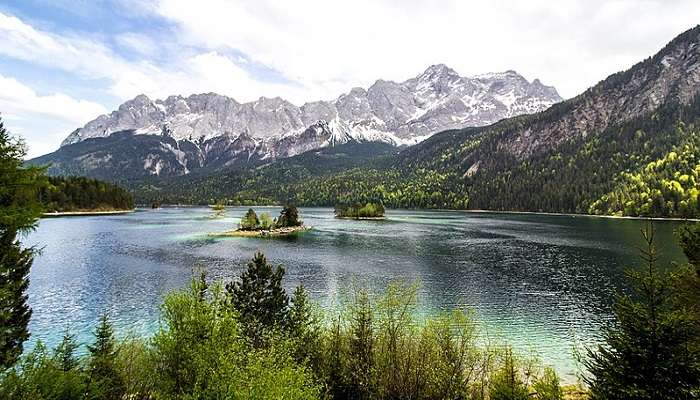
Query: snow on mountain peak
398, 113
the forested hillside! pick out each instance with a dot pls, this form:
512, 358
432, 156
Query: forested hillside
69, 194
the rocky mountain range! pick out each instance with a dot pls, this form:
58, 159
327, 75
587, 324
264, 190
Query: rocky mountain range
629, 144
205, 130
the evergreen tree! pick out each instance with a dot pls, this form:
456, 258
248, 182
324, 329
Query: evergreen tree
19, 210
259, 298
689, 240
250, 220
506, 383
303, 328
647, 353
362, 346
104, 377
64, 354
289, 217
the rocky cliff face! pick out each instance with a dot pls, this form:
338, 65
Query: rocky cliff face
670, 76
269, 128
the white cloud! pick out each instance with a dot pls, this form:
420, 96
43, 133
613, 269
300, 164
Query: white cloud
42, 120
18, 100
570, 44
136, 42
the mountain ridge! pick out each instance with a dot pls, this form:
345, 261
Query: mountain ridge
210, 125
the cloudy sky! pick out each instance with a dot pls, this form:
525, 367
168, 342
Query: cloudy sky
64, 62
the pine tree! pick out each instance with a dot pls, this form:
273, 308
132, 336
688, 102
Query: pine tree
507, 384
64, 354
289, 217
105, 380
259, 298
19, 210
647, 353
362, 346
303, 328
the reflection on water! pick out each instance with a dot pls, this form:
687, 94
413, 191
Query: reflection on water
542, 283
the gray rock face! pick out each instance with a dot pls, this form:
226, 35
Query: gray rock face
396, 113
670, 76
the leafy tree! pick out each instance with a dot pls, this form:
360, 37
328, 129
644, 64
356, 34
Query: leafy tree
259, 298
105, 379
289, 217
647, 353
266, 221
249, 221
19, 210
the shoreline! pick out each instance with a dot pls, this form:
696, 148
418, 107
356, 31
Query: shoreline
84, 213
573, 215
281, 232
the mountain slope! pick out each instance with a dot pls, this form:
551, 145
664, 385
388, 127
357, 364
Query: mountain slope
208, 131
560, 160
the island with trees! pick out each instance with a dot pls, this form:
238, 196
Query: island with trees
371, 211
252, 225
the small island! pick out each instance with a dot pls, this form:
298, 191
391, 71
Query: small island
368, 211
287, 224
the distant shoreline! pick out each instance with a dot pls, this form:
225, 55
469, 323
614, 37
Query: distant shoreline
476, 211
83, 213
363, 218
576, 215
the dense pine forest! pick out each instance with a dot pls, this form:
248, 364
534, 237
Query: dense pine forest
70, 194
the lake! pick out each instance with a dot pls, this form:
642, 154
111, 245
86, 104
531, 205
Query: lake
542, 283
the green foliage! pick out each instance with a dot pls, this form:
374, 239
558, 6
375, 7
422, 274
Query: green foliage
303, 327
668, 186
19, 210
648, 353
41, 375
200, 353
259, 298
65, 194
548, 386
369, 210
289, 217
266, 221
689, 240
506, 383
249, 221
102, 366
